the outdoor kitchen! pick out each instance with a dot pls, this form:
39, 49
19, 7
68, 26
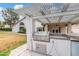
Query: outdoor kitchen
56, 43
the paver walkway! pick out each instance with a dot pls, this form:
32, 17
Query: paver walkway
22, 51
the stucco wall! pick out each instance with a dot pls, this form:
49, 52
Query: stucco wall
16, 27
75, 28
64, 30
62, 26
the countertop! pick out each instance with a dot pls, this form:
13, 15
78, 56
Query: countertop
72, 36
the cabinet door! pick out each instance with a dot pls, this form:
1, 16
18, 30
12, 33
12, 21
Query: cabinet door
41, 48
61, 47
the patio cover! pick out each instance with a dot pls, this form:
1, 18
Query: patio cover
52, 12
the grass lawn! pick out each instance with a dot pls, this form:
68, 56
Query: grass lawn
9, 41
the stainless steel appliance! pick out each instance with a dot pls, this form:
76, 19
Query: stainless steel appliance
75, 48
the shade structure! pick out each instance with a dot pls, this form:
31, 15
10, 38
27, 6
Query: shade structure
52, 12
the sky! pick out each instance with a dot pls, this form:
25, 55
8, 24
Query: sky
20, 5
13, 5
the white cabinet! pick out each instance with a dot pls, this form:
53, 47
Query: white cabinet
60, 47
40, 47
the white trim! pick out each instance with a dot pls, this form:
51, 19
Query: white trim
58, 14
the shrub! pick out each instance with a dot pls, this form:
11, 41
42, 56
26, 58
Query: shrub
5, 29
22, 30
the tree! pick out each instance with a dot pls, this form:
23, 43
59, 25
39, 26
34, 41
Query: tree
10, 16
2, 24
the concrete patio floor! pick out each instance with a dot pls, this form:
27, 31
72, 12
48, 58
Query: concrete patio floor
22, 51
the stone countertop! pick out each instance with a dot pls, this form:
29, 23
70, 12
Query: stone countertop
72, 36
59, 36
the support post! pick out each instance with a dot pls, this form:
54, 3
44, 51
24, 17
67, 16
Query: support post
46, 28
30, 26
69, 28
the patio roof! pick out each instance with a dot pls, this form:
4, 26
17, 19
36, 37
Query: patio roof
52, 12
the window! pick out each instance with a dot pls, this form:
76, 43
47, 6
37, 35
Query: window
56, 30
53, 31
40, 29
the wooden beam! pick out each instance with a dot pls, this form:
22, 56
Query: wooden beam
65, 7
73, 18
58, 14
39, 20
43, 13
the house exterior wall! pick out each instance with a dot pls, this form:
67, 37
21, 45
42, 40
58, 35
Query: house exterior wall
30, 27
64, 30
16, 27
62, 26
75, 28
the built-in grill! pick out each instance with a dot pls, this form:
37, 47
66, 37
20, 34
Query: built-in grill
58, 36
44, 42
41, 36
40, 42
